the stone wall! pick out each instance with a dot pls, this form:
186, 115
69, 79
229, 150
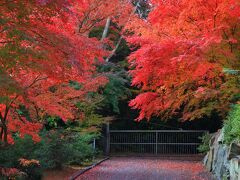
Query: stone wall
222, 160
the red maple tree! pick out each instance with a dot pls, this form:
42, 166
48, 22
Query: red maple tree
181, 51
45, 44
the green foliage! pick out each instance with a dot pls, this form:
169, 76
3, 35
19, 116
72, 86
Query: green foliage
75, 85
96, 32
117, 88
11, 154
57, 148
23, 111
53, 122
52, 151
204, 147
232, 125
91, 119
114, 91
23, 148
81, 148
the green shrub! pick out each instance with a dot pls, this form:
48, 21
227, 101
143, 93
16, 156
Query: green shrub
81, 148
57, 148
232, 125
22, 148
52, 151
204, 147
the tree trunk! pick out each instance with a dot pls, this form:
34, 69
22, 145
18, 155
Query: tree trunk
5, 142
1, 134
4, 129
106, 28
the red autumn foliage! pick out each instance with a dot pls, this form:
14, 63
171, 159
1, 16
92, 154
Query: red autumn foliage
46, 45
181, 50
26, 162
9, 172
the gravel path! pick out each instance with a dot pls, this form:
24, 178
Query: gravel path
146, 169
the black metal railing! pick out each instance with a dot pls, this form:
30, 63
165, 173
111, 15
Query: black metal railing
155, 141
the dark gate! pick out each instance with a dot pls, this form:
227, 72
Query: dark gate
155, 142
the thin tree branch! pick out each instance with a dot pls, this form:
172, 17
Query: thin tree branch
15, 98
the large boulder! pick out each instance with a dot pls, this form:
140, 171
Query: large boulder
208, 160
234, 150
234, 157
220, 166
235, 168
223, 160
216, 159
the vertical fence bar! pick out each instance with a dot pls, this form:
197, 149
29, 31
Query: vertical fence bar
107, 140
94, 144
156, 143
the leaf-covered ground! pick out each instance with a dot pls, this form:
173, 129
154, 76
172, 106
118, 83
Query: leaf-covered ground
147, 169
